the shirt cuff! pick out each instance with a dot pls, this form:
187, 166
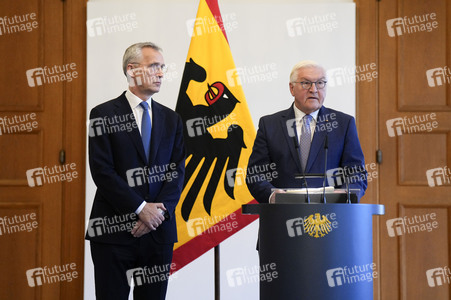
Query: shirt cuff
269, 200
140, 208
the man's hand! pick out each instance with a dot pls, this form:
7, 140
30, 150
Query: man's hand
272, 198
151, 216
140, 229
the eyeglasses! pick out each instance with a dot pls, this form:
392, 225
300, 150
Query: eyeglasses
306, 85
154, 68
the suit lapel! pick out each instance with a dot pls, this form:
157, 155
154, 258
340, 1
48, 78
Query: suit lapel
123, 108
287, 116
317, 145
158, 119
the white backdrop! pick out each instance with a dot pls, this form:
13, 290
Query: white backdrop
266, 40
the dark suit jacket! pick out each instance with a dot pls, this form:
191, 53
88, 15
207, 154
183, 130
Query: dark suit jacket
115, 152
275, 145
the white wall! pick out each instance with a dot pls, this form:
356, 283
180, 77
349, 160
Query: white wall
259, 37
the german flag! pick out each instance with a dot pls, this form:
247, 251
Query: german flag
219, 136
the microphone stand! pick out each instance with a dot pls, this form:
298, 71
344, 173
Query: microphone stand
296, 145
326, 148
348, 200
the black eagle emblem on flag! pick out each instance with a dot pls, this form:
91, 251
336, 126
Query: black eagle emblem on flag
202, 150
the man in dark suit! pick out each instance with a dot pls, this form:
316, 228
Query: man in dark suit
293, 140
137, 161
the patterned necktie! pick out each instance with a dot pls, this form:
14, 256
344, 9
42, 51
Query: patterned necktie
146, 128
305, 140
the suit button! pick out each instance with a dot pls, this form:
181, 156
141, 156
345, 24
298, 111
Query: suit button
147, 197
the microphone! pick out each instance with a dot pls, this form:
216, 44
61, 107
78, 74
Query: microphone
326, 148
348, 194
348, 175
296, 145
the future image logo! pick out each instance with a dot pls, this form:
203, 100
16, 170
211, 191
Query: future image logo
18, 123
18, 23
206, 25
111, 24
414, 124
58, 173
238, 277
55, 74
351, 74
48, 275
18, 223
110, 125
312, 24
110, 225
148, 175
256, 173
438, 76
438, 176
217, 123
351, 174
438, 276
212, 224
351, 274
413, 224
252, 74
324, 123
408, 25
149, 274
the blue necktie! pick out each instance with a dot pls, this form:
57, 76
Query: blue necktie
305, 140
146, 128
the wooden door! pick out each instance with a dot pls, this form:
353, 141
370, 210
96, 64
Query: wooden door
39, 164
406, 115
414, 130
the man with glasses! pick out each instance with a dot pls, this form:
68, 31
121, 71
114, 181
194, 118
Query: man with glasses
139, 178
292, 141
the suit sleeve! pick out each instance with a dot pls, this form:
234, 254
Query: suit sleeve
261, 190
353, 157
170, 192
112, 187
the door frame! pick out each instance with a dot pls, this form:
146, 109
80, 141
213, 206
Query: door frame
367, 111
74, 144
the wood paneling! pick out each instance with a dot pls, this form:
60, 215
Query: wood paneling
418, 153
418, 52
18, 156
402, 91
424, 246
14, 234
60, 108
367, 109
23, 54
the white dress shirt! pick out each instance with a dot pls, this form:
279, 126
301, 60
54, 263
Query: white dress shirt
298, 114
137, 110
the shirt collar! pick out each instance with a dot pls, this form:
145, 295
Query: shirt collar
299, 114
134, 100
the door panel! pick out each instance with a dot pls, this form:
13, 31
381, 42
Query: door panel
34, 105
414, 136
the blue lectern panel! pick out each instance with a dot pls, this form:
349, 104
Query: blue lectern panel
320, 251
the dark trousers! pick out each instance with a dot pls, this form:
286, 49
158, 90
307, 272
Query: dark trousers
144, 262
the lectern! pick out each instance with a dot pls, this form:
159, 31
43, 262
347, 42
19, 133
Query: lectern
316, 251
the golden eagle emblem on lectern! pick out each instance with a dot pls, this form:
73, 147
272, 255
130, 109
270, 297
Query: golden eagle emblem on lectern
317, 225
